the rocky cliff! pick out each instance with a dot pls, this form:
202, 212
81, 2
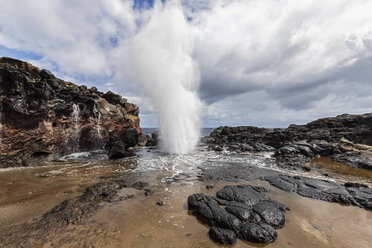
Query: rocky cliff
43, 117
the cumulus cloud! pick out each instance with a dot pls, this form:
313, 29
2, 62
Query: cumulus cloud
73, 34
250, 45
262, 62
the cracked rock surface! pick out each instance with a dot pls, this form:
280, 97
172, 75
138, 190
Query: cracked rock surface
355, 194
249, 214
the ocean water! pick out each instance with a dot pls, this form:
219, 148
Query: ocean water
204, 131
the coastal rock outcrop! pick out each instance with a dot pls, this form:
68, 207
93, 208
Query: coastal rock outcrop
340, 137
249, 214
43, 117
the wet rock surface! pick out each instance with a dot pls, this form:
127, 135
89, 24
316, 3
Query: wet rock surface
354, 159
301, 152
234, 172
354, 194
222, 236
249, 214
298, 144
349, 194
43, 118
69, 212
361, 193
258, 233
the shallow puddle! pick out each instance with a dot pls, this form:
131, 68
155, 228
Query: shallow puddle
341, 171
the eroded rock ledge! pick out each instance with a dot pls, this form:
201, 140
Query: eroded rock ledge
43, 117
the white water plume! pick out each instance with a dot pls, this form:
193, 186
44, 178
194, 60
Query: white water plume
75, 116
99, 129
161, 56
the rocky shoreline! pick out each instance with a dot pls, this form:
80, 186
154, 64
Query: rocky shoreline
346, 138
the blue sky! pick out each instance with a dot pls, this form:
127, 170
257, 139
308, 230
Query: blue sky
266, 63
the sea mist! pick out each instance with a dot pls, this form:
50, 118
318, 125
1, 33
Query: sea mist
161, 56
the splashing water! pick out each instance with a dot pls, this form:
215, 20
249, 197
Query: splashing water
75, 115
161, 56
98, 116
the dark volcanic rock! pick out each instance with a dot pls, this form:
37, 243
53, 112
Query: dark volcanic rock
298, 144
349, 194
246, 194
234, 172
258, 233
356, 128
240, 210
140, 185
270, 213
212, 214
154, 140
119, 149
43, 117
222, 236
258, 214
354, 159
361, 193
301, 152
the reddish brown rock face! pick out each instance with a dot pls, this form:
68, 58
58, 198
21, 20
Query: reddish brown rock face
43, 117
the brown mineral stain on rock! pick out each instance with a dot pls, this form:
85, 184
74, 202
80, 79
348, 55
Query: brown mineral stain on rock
43, 118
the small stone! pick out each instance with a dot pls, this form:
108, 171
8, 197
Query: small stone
209, 187
148, 192
160, 203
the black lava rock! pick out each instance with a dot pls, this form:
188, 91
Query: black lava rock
258, 233
222, 236
354, 159
270, 213
246, 194
240, 210
349, 194
249, 214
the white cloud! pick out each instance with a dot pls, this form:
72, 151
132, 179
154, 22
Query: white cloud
265, 62
245, 45
74, 34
